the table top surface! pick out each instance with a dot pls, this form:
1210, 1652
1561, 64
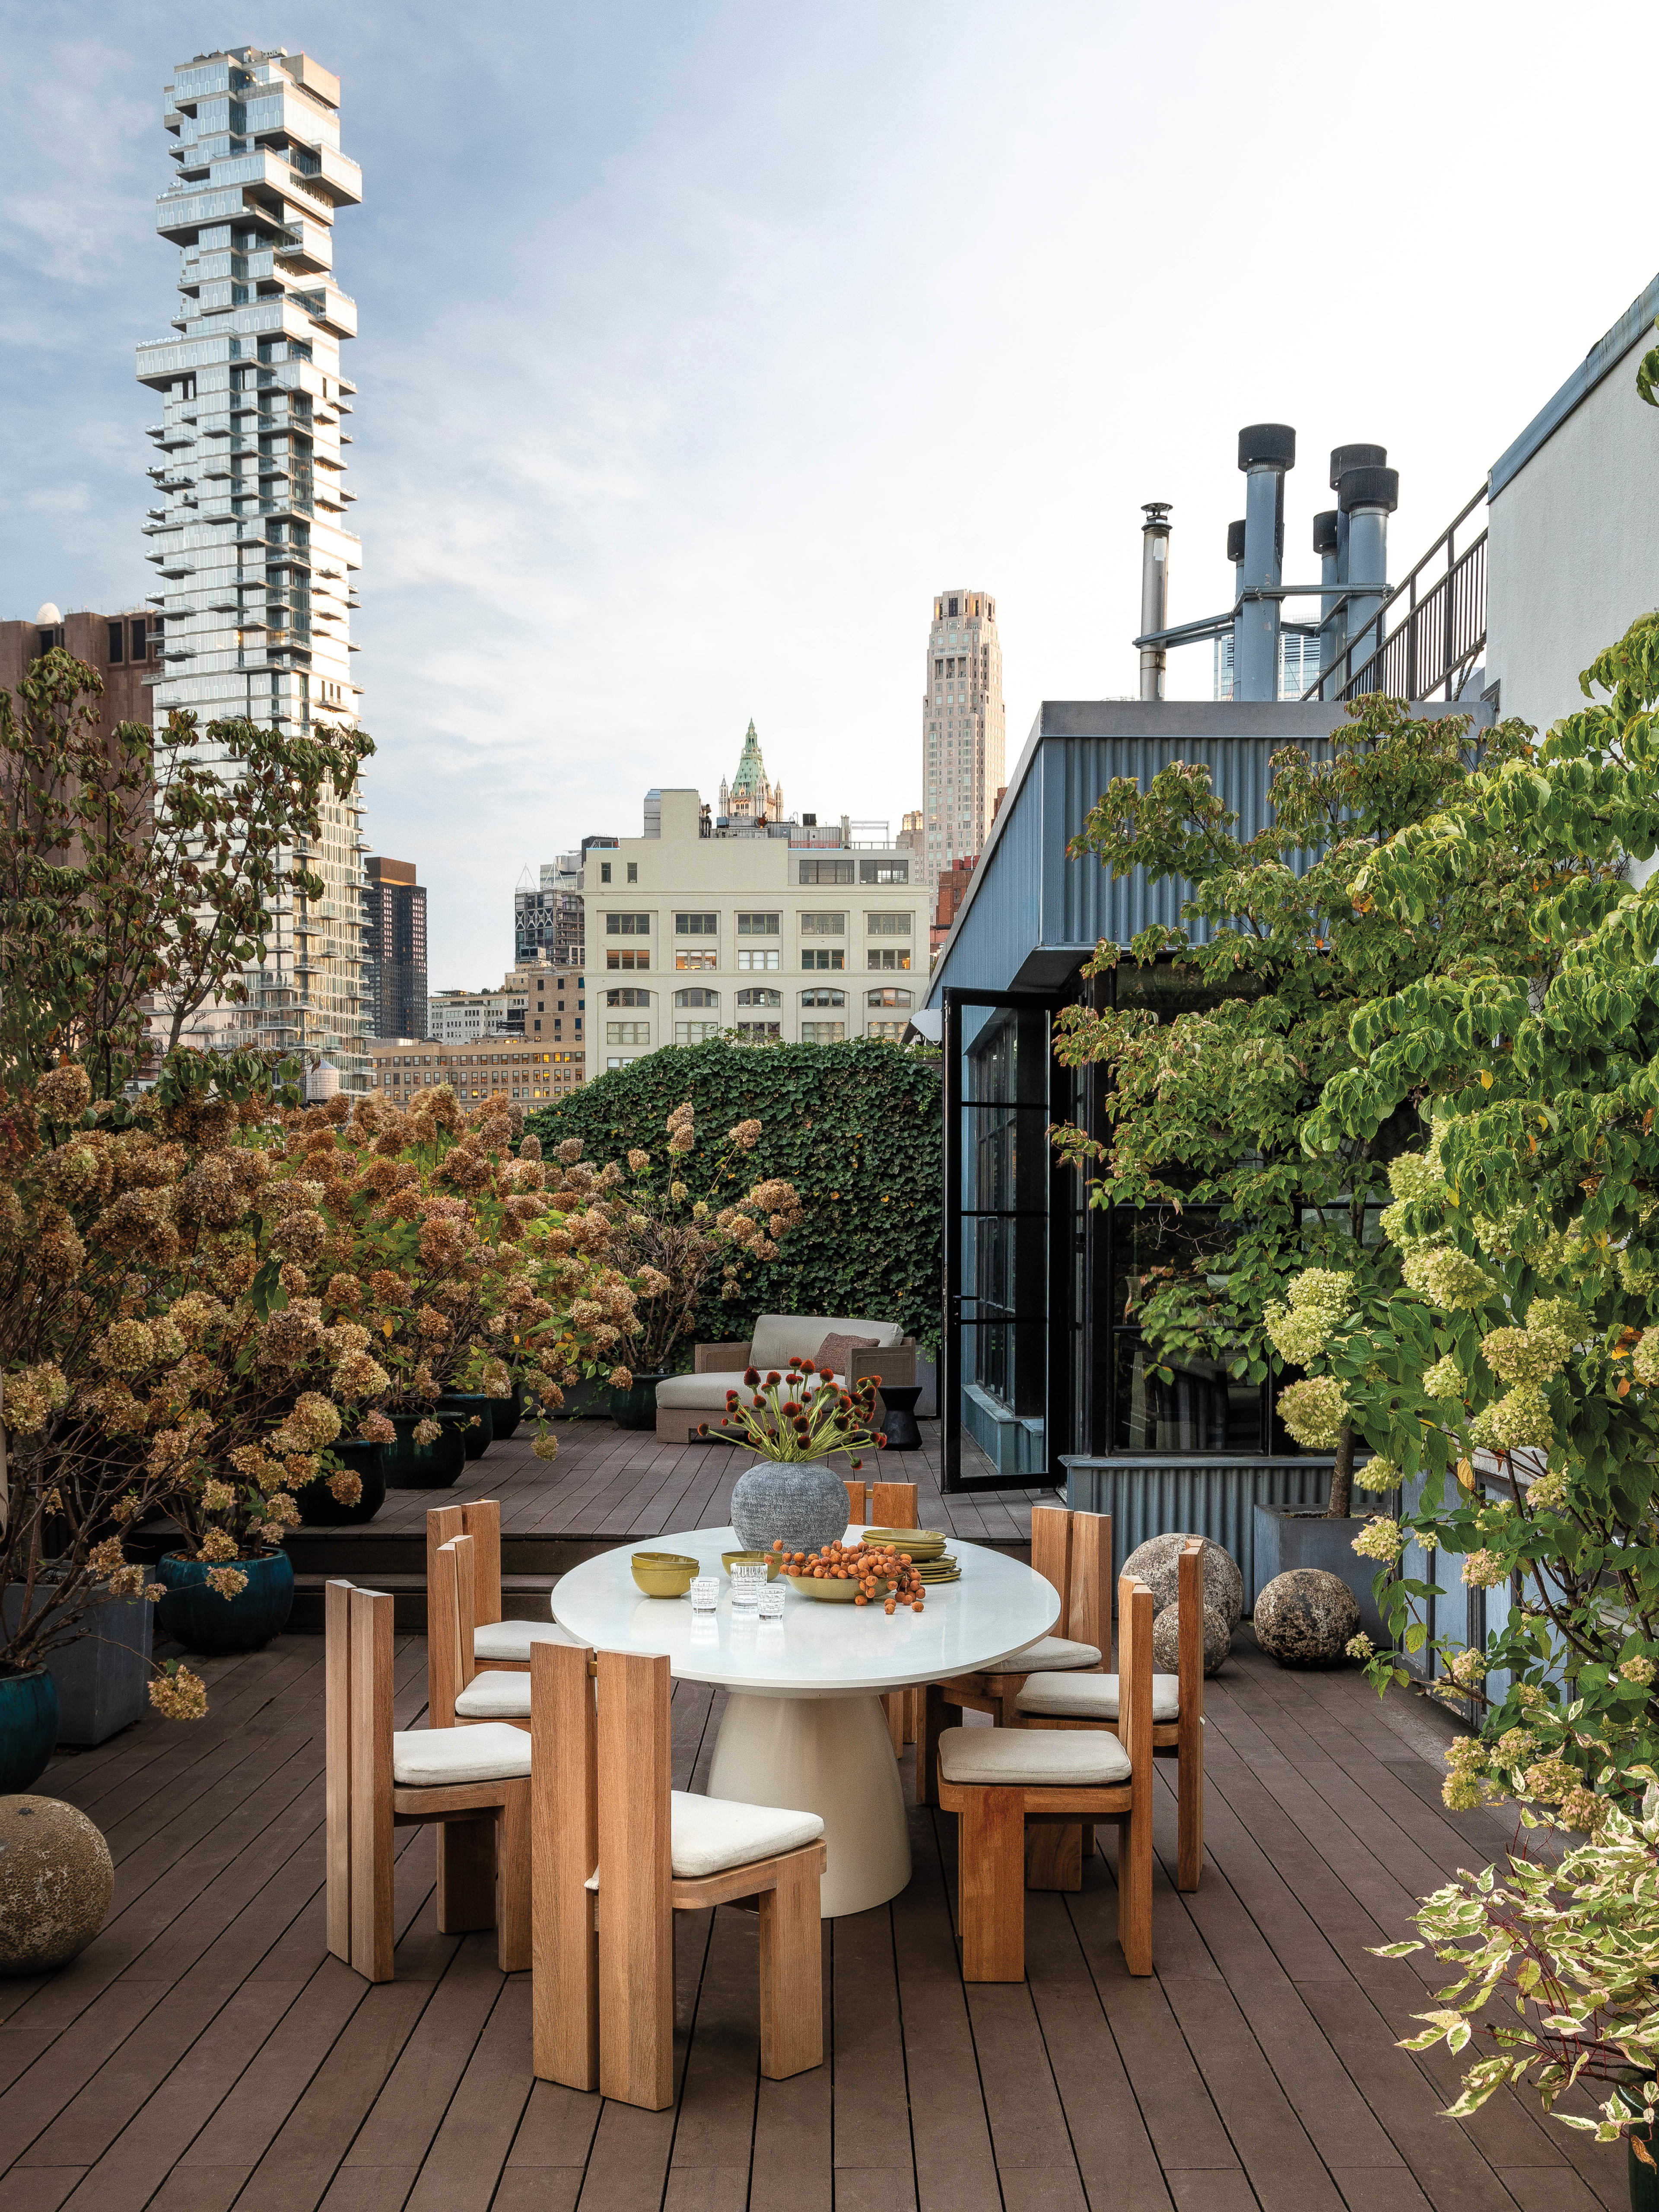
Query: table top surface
818, 1649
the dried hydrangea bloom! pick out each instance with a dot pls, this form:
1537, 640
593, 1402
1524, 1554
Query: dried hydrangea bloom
227, 1582
428, 1431
217, 1497
345, 1487
378, 1429
32, 1395
217, 1544
546, 1448
64, 1094
179, 1694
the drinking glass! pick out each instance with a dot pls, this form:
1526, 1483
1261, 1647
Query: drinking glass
705, 1594
771, 1601
748, 1580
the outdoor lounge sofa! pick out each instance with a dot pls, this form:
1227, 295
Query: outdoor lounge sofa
684, 1400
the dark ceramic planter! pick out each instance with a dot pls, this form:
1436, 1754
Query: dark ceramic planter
28, 1727
802, 1501
406, 1465
1288, 1536
636, 1406
506, 1413
319, 1506
464, 1406
194, 1614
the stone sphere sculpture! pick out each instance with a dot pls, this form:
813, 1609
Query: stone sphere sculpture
56, 1882
1166, 1639
1305, 1617
1154, 1562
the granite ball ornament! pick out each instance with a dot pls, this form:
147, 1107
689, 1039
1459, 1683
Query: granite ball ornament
1156, 1564
56, 1882
1306, 1617
1166, 1639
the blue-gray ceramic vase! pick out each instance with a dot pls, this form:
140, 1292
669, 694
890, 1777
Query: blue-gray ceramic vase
803, 1501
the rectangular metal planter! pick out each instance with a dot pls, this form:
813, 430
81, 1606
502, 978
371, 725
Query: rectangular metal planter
1149, 1495
103, 1673
1286, 1539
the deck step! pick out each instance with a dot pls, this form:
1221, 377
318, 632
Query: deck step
524, 1597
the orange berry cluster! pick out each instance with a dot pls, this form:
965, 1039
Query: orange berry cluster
879, 1569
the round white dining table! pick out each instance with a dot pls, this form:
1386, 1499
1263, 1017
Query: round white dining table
803, 1724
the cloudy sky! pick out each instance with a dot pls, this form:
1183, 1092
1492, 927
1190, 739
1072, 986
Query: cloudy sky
702, 344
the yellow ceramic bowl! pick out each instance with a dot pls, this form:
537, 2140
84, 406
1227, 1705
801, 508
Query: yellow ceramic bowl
837, 1593
729, 1558
664, 1574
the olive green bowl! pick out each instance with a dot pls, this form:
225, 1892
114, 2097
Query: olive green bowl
835, 1593
664, 1574
729, 1559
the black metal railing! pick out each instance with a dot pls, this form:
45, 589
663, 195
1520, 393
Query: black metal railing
1439, 626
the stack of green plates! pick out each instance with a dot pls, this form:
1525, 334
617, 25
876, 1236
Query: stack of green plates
942, 1568
922, 1544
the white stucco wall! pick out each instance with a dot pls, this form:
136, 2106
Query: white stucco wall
1573, 548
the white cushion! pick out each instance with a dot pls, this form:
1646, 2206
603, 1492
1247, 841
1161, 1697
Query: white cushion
1038, 1759
496, 1696
779, 1337
1090, 1696
1048, 1653
708, 1834
711, 1833
511, 1639
422, 1758
705, 1393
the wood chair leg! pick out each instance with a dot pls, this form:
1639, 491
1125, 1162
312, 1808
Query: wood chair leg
912, 1715
1086, 1842
1190, 1799
467, 1874
564, 1850
932, 1723
1134, 1887
892, 1704
512, 1935
792, 1973
991, 1885
1053, 1855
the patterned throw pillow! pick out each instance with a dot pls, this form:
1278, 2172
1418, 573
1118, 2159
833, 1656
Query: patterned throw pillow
835, 1354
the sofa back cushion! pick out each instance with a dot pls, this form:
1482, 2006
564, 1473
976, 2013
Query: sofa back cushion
779, 1337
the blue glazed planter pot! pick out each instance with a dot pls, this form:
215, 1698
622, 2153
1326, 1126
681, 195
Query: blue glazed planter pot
319, 1506
506, 1413
194, 1614
409, 1466
462, 1406
28, 1727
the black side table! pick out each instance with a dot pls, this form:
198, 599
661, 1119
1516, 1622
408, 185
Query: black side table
900, 1423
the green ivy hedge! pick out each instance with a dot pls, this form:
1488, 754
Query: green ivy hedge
856, 1128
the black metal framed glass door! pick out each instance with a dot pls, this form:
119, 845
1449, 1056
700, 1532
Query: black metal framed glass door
1006, 1378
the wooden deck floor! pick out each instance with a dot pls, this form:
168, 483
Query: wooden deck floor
621, 1483
206, 2052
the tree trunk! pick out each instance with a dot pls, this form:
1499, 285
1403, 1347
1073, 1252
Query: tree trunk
1341, 1502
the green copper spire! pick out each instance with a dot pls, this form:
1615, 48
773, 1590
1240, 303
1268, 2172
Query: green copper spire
751, 782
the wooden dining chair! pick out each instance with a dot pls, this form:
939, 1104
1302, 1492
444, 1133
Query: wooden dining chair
495, 1643
460, 1689
618, 1851
858, 1495
1072, 1701
1002, 1781
473, 1782
893, 1506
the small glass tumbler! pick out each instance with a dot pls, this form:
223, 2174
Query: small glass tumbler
705, 1594
771, 1601
748, 1580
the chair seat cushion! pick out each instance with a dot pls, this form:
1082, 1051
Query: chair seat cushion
1090, 1696
1048, 1653
779, 1338
429, 1757
496, 1696
705, 1394
711, 1833
1035, 1758
511, 1639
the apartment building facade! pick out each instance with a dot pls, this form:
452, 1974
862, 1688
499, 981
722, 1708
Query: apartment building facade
394, 947
776, 933
542, 1003
256, 565
484, 1067
125, 649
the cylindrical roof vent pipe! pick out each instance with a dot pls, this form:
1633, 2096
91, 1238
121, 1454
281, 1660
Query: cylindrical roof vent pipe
1344, 458
1235, 554
1266, 451
1324, 543
1154, 593
1368, 495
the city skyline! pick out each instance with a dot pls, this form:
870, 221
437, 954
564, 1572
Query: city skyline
693, 438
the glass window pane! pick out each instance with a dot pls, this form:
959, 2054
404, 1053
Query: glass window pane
1202, 1409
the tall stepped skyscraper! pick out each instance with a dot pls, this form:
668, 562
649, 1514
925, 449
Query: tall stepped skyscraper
255, 563
963, 727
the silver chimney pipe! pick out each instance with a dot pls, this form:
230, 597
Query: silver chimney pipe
1344, 458
1325, 535
1154, 593
1235, 554
1368, 496
1266, 451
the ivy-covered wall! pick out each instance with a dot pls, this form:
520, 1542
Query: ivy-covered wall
855, 1126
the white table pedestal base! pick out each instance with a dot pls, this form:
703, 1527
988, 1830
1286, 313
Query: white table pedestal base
832, 1756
